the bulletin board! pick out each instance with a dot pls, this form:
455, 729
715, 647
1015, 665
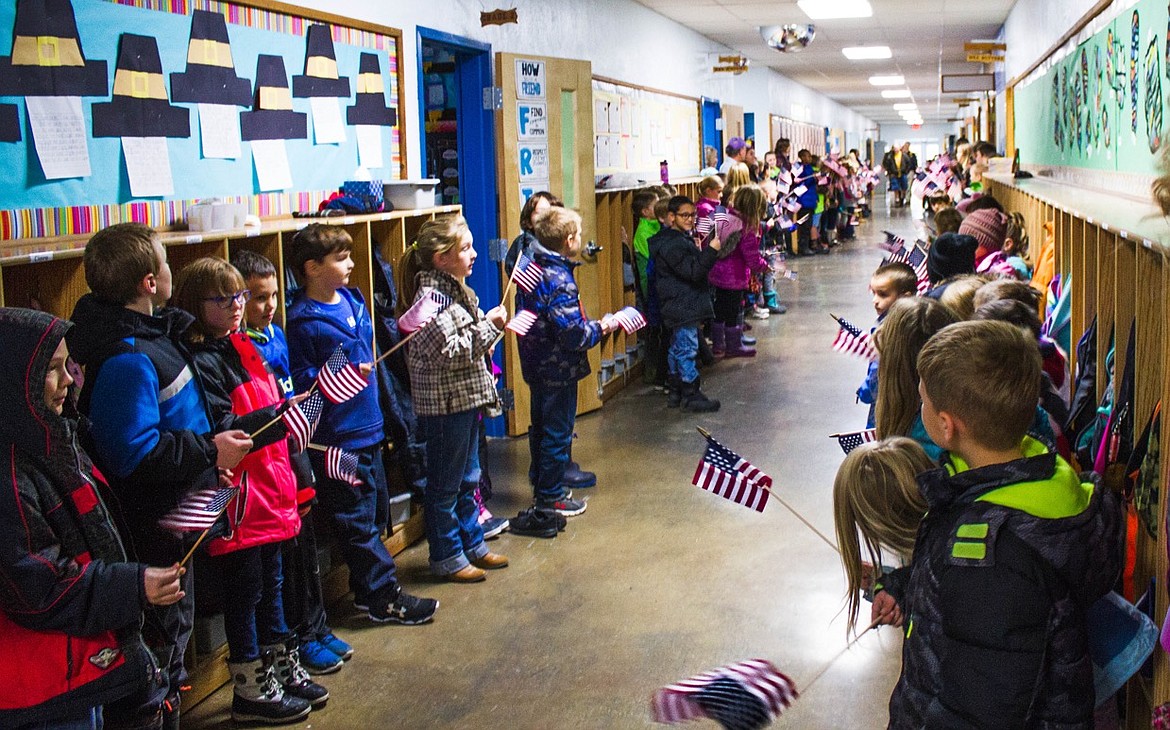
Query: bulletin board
151, 84
1099, 103
635, 129
802, 135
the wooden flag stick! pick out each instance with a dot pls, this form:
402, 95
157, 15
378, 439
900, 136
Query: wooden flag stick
401, 342
831, 662
201, 536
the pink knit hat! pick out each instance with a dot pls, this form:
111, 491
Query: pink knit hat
987, 226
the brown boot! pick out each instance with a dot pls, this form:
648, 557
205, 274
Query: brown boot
466, 574
491, 561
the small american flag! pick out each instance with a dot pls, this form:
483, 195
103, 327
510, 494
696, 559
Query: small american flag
423, 311
199, 510
522, 322
729, 475
341, 465
527, 273
301, 420
853, 341
915, 257
340, 379
742, 696
629, 319
790, 274
853, 439
893, 242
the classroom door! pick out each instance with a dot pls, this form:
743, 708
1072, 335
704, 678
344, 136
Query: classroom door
711, 123
732, 123
546, 143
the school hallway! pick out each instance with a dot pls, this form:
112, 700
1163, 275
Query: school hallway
658, 580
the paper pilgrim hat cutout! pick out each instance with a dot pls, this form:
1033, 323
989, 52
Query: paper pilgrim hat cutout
46, 55
210, 77
140, 107
272, 116
320, 77
370, 107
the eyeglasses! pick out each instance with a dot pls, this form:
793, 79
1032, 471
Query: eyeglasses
228, 300
684, 215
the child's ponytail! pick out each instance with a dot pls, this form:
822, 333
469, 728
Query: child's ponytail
436, 236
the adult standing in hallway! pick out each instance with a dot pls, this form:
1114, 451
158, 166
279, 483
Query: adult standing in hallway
733, 154
896, 164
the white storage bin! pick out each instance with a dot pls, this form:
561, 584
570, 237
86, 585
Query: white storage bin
212, 216
411, 194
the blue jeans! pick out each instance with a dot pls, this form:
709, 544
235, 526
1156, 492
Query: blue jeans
353, 512
550, 438
452, 517
253, 612
684, 348
90, 719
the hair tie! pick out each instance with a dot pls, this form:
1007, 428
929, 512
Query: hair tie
413, 246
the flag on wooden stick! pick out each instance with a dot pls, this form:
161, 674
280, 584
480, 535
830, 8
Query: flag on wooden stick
742, 696
300, 420
522, 322
199, 510
726, 473
340, 379
852, 341
341, 465
629, 319
913, 256
425, 309
853, 439
527, 273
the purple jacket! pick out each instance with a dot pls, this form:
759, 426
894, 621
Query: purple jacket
734, 272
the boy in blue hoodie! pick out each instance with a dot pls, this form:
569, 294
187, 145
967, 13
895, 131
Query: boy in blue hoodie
325, 313
151, 431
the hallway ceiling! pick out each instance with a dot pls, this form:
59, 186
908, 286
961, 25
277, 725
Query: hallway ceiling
926, 39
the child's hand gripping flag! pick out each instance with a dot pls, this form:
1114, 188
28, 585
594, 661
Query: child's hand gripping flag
340, 379
729, 475
853, 341
743, 696
423, 311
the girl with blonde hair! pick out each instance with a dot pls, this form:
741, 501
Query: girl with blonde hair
877, 508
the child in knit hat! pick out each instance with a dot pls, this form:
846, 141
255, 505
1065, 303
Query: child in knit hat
989, 227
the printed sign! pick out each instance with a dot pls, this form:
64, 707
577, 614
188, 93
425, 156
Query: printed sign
533, 162
532, 121
528, 189
530, 79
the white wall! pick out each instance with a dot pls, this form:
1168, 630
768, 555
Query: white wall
624, 41
1033, 26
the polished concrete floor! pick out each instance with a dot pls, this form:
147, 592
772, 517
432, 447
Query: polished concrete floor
658, 580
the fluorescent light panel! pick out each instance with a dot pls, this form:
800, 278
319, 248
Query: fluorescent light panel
906, 106
866, 53
835, 9
887, 80
896, 94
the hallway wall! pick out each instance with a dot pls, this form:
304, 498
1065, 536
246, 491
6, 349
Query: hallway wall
1033, 26
624, 41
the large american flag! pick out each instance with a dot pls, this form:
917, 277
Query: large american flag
301, 420
199, 510
425, 308
340, 379
341, 465
853, 439
853, 341
743, 696
527, 273
729, 475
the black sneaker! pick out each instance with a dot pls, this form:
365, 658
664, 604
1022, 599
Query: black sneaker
493, 526
398, 606
560, 520
535, 522
292, 677
566, 506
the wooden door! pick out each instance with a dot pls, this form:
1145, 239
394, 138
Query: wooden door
732, 123
555, 156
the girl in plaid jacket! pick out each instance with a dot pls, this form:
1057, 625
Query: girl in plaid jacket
451, 384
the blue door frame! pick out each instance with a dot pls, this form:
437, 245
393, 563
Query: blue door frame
476, 130
712, 135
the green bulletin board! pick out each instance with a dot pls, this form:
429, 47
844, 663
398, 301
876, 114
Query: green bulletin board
1101, 107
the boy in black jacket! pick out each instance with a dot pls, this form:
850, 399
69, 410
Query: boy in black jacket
679, 278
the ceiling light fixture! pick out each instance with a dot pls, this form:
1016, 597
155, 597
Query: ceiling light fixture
887, 80
896, 94
866, 53
834, 9
788, 38
906, 106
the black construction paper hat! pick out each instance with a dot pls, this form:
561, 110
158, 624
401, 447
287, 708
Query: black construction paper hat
272, 116
320, 77
140, 107
46, 55
210, 77
371, 96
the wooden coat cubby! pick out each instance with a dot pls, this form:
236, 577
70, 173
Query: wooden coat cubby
48, 274
1114, 251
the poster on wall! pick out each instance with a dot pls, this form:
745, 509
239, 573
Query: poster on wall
532, 120
533, 162
527, 190
530, 79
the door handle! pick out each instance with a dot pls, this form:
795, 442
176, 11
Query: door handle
592, 249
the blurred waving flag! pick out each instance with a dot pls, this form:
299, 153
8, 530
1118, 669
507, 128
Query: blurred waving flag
913, 256
301, 419
629, 319
522, 322
893, 242
853, 341
726, 473
527, 273
424, 309
199, 510
743, 696
853, 439
340, 379
341, 465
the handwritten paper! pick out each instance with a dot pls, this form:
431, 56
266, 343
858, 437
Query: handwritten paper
271, 160
327, 125
219, 129
148, 165
59, 135
370, 146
